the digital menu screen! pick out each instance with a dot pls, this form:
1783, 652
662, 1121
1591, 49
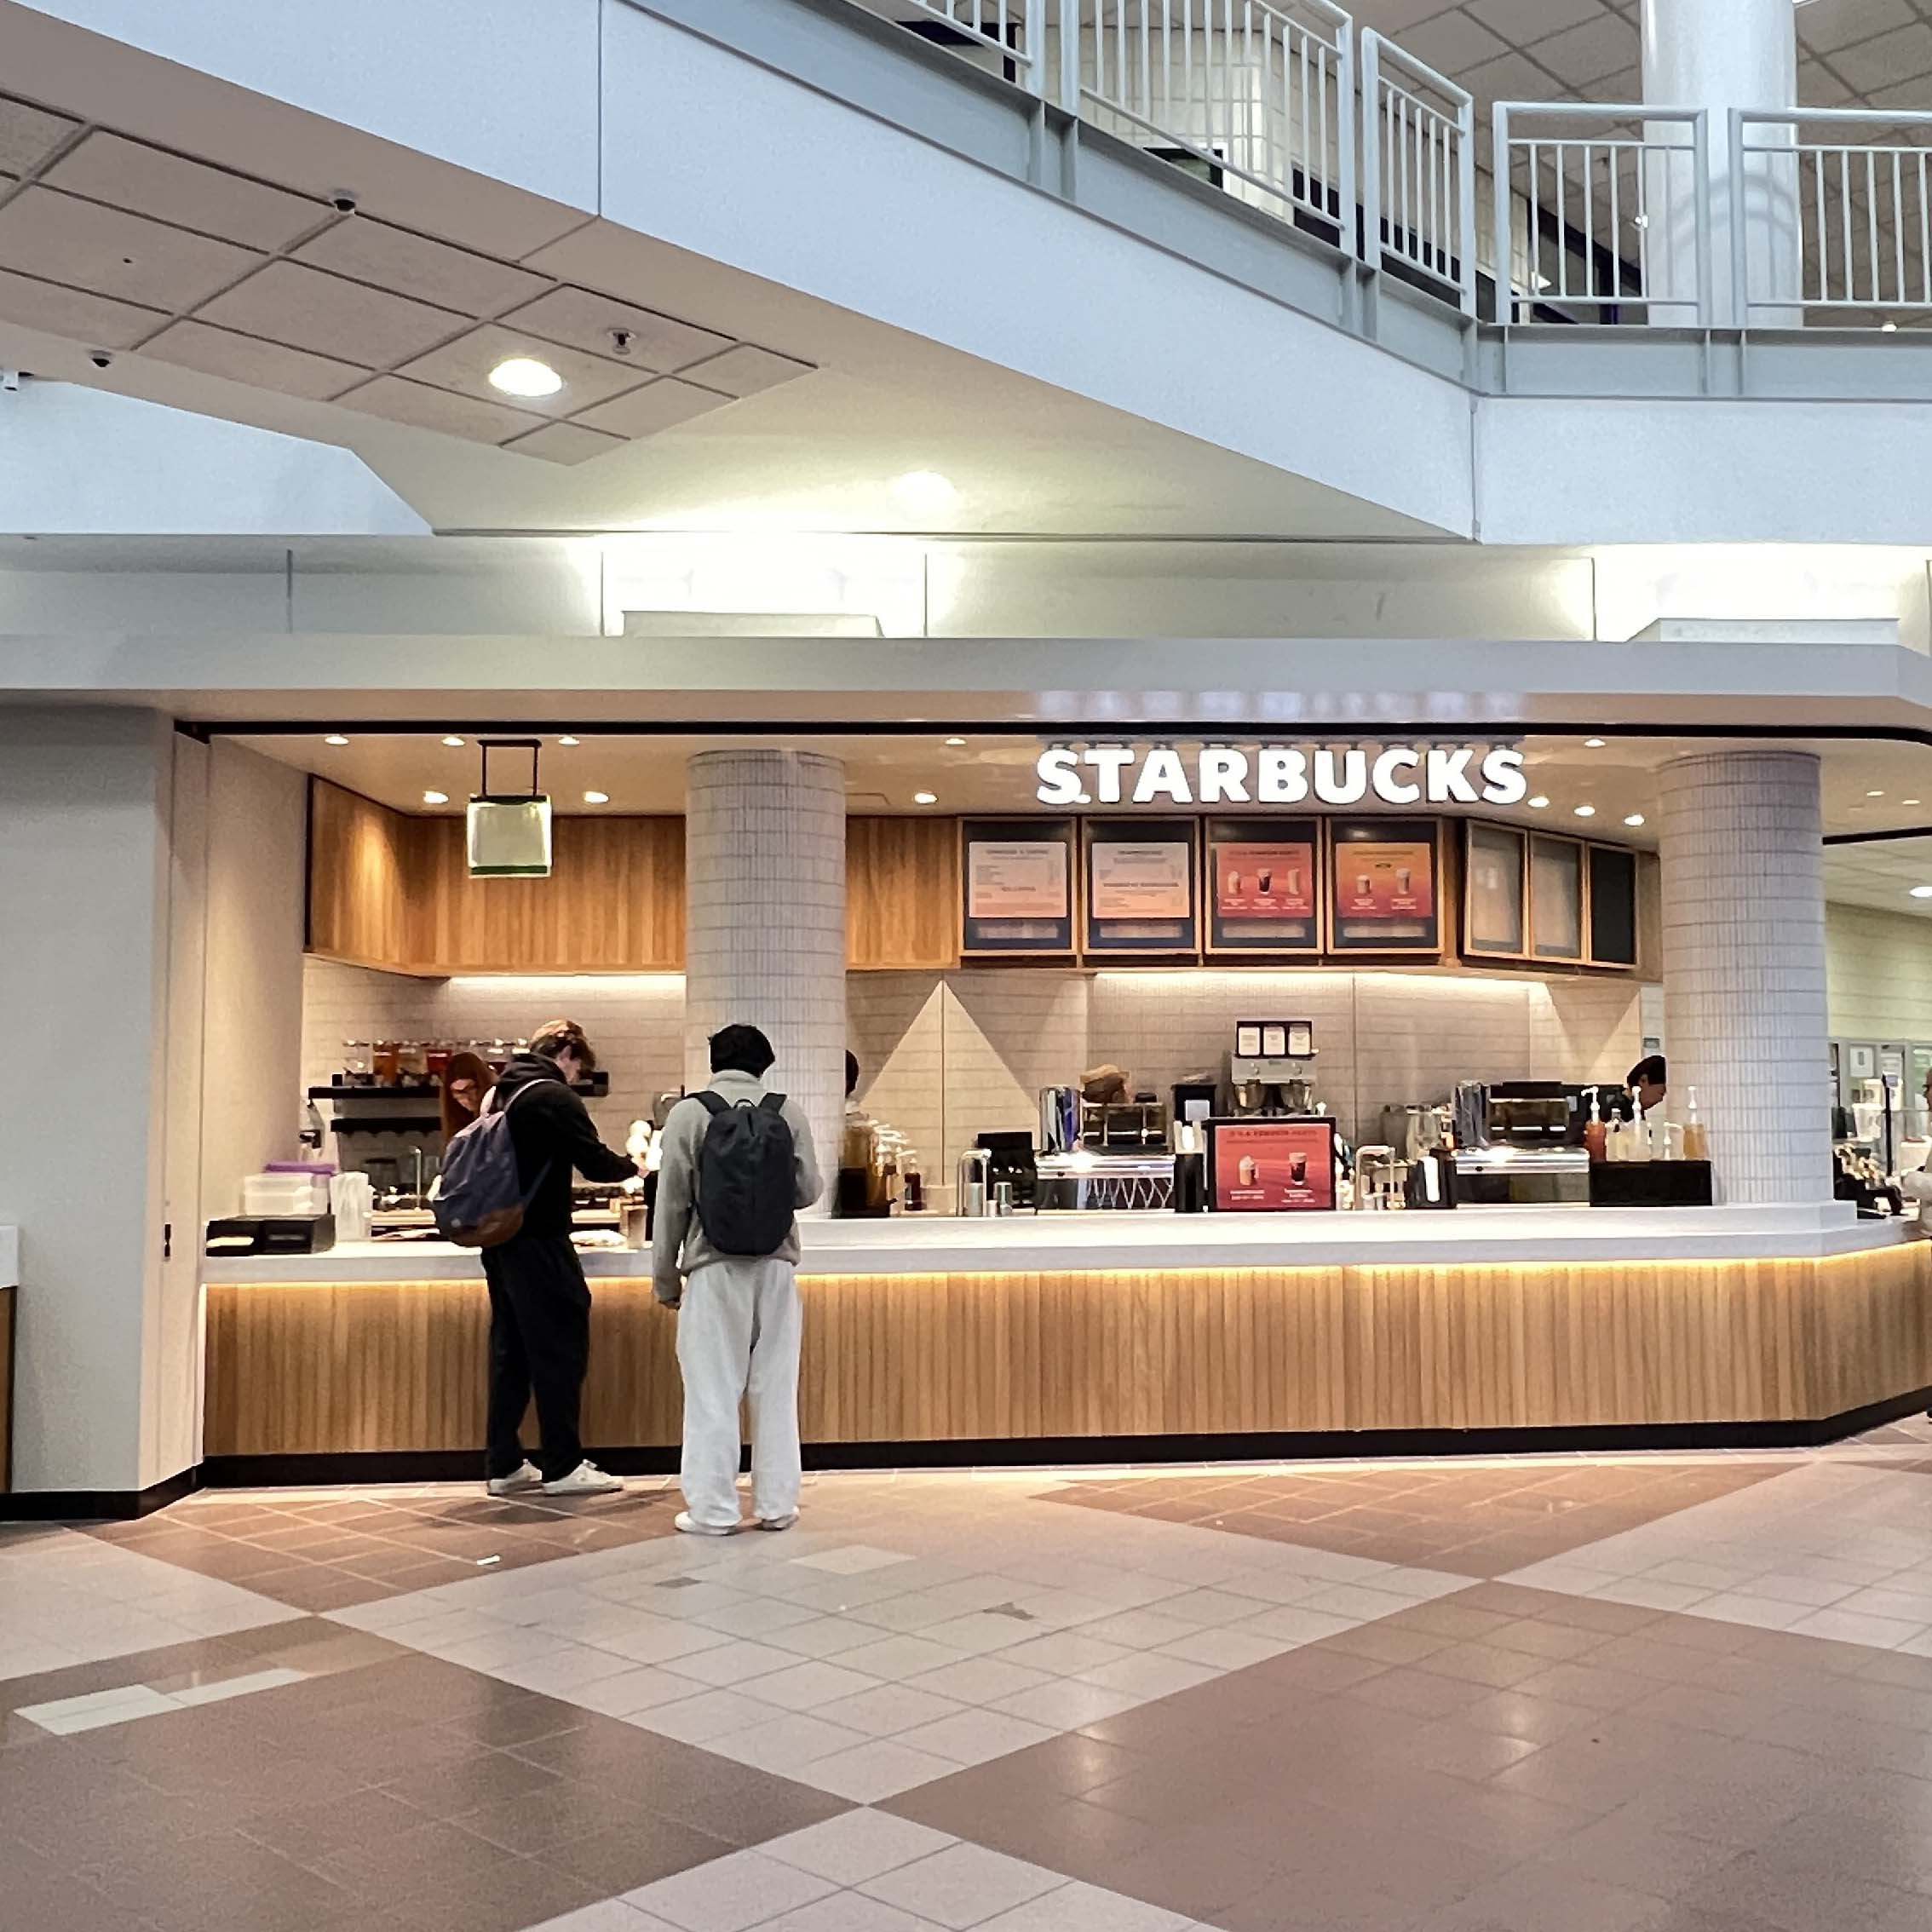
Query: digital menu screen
1383, 882
1264, 885
1017, 879
1142, 895
1271, 1166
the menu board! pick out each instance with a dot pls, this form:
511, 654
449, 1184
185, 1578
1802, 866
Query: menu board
1493, 897
1280, 1166
1142, 894
1264, 885
1383, 886
1018, 882
1556, 921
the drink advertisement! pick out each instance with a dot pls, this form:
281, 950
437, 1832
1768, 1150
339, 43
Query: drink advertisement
1264, 882
1016, 880
1385, 882
1145, 880
1272, 1166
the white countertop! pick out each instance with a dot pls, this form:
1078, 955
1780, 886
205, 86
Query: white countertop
10, 1257
919, 1245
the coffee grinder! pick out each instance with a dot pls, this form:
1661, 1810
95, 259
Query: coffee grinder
1270, 1069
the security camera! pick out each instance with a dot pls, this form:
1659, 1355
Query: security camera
344, 203
9, 380
102, 359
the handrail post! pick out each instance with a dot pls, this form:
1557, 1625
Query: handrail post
1499, 183
1465, 213
1070, 56
1740, 254
1356, 123
1700, 156
1035, 32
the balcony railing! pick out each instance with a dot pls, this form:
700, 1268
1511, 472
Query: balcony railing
1625, 213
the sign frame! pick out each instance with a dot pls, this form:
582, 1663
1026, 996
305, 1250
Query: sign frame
985, 938
1344, 833
1114, 938
1226, 1136
1219, 835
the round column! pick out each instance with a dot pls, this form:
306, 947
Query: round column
1740, 54
1744, 967
764, 858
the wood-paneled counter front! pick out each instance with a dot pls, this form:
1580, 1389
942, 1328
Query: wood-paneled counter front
1394, 1336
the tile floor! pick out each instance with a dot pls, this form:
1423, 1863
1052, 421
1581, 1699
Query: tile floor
1681, 1694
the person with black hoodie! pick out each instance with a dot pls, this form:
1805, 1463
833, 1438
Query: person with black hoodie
539, 1301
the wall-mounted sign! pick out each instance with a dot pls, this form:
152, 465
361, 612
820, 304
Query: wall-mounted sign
1140, 893
1264, 885
1281, 775
1017, 875
1382, 886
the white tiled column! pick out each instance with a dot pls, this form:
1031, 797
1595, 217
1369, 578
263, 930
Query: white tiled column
764, 856
1744, 967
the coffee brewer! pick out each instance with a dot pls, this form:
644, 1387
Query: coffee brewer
1271, 1069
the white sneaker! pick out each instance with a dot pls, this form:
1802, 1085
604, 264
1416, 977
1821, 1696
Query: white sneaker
691, 1526
528, 1477
585, 1480
777, 1522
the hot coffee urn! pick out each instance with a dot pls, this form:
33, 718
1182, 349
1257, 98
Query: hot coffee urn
1271, 1069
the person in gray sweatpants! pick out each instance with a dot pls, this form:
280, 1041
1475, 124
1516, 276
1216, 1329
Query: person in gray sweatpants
740, 1319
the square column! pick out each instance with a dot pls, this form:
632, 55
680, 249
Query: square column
1744, 967
764, 861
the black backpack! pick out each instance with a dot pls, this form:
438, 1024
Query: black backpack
746, 1175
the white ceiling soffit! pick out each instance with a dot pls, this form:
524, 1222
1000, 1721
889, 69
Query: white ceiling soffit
130, 247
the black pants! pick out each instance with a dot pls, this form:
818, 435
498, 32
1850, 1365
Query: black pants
540, 1339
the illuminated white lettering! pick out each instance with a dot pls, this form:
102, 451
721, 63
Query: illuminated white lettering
1387, 788
1058, 773
1163, 775
1281, 776
1351, 787
1224, 776
1504, 781
1110, 761
1448, 776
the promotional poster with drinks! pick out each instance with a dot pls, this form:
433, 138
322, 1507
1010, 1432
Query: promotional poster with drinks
1267, 1166
1264, 882
1385, 882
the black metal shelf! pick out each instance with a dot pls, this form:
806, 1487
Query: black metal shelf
597, 1087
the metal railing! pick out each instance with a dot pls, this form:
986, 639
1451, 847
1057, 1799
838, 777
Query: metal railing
1841, 227
1591, 225
1005, 36
1258, 94
1418, 172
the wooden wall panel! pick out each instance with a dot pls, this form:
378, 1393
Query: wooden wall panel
902, 892
390, 889
300, 1370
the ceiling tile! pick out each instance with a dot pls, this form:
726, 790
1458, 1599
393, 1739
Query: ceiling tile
91, 320
1890, 59
1818, 87
1586, 53
565, 442
61, 239
1521, 21
1830, 24
129, 174
465, 365
289, 301
745, 371
1516, 77
584, 321
413, 265
247, 358
28, 133
423, 408
1452, 42
662, 405
1394, 17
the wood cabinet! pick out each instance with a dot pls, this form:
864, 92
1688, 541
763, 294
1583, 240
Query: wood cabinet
391, 890
902, 893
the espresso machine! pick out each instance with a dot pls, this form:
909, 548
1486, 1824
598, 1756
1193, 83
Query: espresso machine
1270, 1069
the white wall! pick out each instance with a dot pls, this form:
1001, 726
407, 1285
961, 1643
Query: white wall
257, 866
1878, 973
84, 882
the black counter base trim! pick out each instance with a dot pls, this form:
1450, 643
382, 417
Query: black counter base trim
97, 1505
445, 1465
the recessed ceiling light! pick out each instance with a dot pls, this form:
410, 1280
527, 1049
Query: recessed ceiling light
525, 376
334, 737
1911, 801
568, 740
435, 798
1874, 795
1538, 804
454, 743
925, 799
1633, 819
1922, 892
1887, 328
1585, 811
1593, 745
596, 798
925, 490
956, 741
